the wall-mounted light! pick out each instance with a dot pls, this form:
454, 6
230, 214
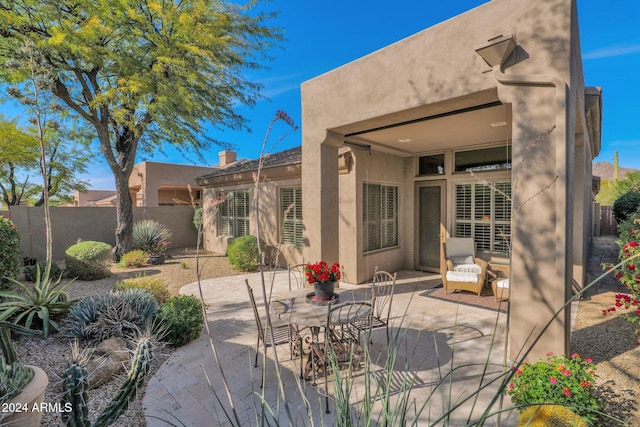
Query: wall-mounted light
497, 49
498, 124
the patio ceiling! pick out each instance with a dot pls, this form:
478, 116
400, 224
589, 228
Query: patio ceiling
469, 128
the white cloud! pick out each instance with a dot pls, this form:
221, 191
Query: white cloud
611, 51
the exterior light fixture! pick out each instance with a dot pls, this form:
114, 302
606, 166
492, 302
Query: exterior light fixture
497, 49
404, 140
498, 124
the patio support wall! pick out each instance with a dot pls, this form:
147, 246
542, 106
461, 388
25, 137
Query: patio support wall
582, 211
541, 260
320, 199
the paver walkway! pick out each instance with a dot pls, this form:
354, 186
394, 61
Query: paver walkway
433, 337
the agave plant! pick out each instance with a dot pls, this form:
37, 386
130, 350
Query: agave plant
150, 236
46, 299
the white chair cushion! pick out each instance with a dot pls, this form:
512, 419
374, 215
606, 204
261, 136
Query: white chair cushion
503, 283
462, 276
462, 259
468, 268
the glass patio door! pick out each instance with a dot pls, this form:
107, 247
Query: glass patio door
430, 224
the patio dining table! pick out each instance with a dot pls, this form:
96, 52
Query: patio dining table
301, 313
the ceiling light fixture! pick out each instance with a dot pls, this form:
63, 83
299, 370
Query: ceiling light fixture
404, 140
498, 124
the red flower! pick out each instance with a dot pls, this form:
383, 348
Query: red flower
566, 391
633, 244
632, 267
553, 380
321, 272
588, 360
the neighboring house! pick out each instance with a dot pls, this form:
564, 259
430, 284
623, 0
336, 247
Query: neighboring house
480, 126
153, 184
229, 195
94, 198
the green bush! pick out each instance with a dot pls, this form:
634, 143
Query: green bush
30, 271
243, 253
120, 313
88, 260
134, 258
625, 205
557, 380
150, 236
9, 251
182, 316
156, 287
626, 227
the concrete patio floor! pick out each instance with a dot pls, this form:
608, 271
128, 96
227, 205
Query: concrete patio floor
433, 337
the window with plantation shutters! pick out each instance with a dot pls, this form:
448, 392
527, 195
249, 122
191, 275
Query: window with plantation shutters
291, 214
483, 212
233, 214
380, 217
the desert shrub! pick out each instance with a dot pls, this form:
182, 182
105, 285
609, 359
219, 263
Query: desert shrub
36, 307
625, 205
182, 316
120, 313
550, 415
156, 287
243, 253
88, 260
134, 258
557, 380
626, 227
9, 251
30, 271
150, 236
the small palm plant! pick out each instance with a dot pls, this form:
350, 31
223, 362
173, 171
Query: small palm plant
46, 299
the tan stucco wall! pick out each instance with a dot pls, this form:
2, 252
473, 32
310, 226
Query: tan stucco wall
149, 178
270, 220
437, 71
71, 224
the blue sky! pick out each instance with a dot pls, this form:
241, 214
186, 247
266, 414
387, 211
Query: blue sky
324, 35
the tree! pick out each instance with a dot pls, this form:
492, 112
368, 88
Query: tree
18, 153
67, 156
142, 73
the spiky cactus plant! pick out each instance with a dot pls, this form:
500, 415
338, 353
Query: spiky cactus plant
76, 385
550, 415
13, 377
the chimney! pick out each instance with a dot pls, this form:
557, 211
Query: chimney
227, 157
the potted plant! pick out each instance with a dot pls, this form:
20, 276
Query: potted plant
323, 278
153, 238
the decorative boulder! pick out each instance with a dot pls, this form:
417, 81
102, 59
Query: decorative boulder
108, 358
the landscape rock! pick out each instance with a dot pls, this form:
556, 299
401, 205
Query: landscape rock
108, 359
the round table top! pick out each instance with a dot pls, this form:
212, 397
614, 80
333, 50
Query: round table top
294, 307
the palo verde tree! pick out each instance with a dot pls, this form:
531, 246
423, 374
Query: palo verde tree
18, 156
142, 73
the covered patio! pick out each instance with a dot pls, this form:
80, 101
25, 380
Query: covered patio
432, 338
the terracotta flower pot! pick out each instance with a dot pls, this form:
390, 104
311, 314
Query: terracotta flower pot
23, 404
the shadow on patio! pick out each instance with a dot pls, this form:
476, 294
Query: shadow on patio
430, 339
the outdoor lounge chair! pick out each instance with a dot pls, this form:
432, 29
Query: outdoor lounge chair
464, 271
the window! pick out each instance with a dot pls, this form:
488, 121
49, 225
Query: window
233, 214
291, 214
380, 217
431, 165
496, 158
484, 213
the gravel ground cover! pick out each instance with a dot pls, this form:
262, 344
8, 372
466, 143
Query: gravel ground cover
609, 341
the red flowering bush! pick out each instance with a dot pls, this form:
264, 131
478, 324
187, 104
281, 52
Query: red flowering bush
628, 273
557, 380
321, 272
